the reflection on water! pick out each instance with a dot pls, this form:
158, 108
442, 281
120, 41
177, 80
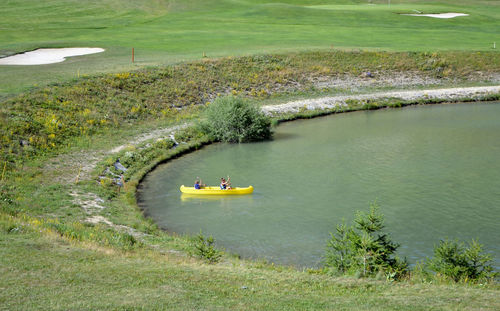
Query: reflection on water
434, 170
203, 199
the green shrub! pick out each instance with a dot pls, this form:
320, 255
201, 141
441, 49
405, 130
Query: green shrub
232, 119
205, 248
460, 263
363, 249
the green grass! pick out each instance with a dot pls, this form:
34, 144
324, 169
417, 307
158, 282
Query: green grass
166, 32
53, 273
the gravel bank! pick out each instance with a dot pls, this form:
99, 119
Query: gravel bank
336, 101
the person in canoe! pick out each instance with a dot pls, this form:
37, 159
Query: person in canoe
198, 184
225, 184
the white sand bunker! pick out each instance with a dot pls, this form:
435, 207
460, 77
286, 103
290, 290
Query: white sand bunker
47, 56
440, 15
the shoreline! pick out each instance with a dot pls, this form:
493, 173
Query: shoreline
324, 103
319, 107
86, 162
331, 102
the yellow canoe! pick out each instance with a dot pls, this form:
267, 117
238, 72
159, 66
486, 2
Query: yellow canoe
216, 190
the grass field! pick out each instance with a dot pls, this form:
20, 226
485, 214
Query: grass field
168, 31
66, 276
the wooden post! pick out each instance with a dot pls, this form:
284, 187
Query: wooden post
132, 55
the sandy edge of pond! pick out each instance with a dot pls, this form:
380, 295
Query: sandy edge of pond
339, 101
66, 167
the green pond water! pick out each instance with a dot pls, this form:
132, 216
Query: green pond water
433, 170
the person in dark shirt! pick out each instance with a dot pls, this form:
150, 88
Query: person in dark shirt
198, 184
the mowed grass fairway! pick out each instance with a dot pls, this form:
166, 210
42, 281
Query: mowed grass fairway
168, 31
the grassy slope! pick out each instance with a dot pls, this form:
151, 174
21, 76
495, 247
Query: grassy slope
171, 31
50, 117
82, 277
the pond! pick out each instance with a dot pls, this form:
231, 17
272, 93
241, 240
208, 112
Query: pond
433, 170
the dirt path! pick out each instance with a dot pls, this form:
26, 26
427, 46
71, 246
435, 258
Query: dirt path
158, 133
66, 168
70, 168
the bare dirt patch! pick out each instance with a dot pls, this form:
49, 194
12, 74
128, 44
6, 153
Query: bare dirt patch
89, 202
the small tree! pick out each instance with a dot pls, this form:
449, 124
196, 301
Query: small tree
377, 243
205, 248
363, 248
337, 250
232, 119
455, 261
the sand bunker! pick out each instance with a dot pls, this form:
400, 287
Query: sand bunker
440, 15
47, 56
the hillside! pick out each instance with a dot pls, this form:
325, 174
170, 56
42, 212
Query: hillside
168, 31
